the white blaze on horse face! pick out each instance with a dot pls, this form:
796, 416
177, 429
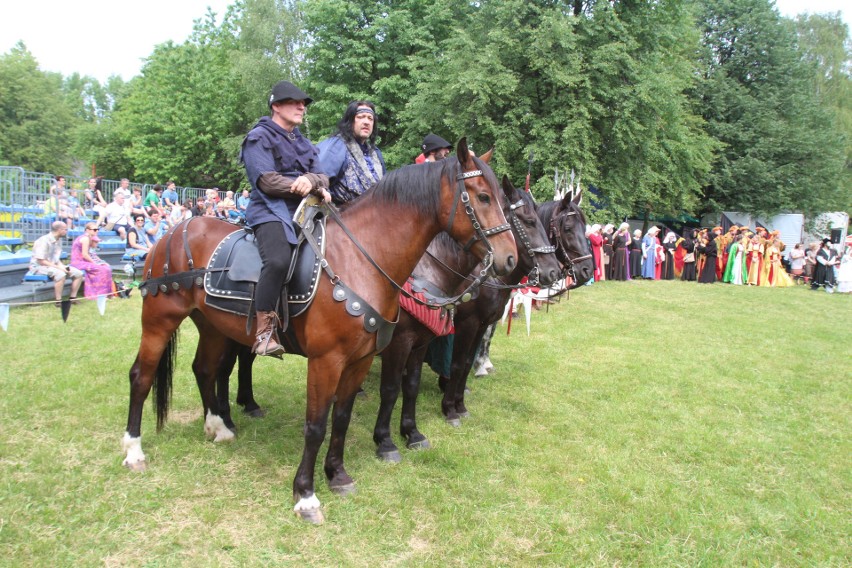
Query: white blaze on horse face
133, 450
307, 503
214, 427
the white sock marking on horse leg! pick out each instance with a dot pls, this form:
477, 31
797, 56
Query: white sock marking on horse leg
307, 503
133, 449
214, 427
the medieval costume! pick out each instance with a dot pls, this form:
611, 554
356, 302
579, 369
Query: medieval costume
620, 267
754, 262
596, 241
708, 272
636, 254
824, 271
688, 246
669, 245
735, 269
649, 247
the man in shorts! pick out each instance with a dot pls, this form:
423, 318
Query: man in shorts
45, 260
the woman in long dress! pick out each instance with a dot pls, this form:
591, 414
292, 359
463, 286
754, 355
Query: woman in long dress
688, 244
709, 250
649, 248
98, 274
735, 270
669, 246
636, 254
620, 242
596, 241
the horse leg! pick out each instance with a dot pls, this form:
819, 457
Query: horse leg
465, 341
410, 389
157, 344
323, 378
393, 361
245, 388
351, 379
223, 383
213, 353
462, 373
482, 360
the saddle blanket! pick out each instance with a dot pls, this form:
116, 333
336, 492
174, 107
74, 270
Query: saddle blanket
437, 320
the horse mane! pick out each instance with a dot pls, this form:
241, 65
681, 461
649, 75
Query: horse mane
414, 186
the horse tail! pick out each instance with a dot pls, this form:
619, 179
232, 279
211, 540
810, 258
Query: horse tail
163, 380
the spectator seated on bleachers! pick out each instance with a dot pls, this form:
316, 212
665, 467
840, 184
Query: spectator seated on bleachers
138, 243
47, 251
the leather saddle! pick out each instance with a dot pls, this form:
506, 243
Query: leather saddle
234, 268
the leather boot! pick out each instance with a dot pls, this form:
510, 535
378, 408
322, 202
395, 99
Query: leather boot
266, 341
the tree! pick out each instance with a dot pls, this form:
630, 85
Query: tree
825, 43
35, 120
781, 149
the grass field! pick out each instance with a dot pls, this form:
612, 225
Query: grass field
641, 424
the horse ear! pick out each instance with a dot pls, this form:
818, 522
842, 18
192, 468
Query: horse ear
486, 157
462, 153
578, 199
508, 188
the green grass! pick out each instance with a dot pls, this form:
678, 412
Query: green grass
641, 424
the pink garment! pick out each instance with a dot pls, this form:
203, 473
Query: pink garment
98, 274
596, 241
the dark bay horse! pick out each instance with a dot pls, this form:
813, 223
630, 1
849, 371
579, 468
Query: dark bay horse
393, 223
445, 266
567, 232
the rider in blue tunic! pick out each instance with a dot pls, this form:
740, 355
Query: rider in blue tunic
350, 158
282, 167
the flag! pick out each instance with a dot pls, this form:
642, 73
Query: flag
102, 303
4, 316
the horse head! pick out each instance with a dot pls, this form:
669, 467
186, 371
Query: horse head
567, 232
474, 215
535, 253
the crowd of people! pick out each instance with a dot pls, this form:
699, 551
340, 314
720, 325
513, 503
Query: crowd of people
738, 256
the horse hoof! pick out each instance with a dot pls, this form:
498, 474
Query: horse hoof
313, 516
392, 456
464, 414
138, 467
343, 490
454, 422
419, 445
256, 413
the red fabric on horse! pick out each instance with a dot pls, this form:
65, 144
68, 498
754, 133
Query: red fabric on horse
438, 321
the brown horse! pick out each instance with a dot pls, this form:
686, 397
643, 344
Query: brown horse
444, 268
566, 231
375, 245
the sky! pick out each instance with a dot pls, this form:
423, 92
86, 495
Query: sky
112, 37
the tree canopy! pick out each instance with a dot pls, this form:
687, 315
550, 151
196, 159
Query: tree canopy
665, 106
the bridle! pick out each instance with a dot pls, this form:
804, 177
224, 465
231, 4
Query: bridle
523, 236
555, 236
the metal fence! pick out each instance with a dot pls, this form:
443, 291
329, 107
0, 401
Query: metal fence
25, 209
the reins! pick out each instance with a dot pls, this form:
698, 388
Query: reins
479, 234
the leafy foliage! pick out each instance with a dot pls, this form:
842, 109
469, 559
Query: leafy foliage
781, 148
35, 119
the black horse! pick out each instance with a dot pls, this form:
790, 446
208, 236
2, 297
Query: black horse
566, 229
445, 266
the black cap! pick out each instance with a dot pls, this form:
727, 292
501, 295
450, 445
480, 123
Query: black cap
285, 90
434, 142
